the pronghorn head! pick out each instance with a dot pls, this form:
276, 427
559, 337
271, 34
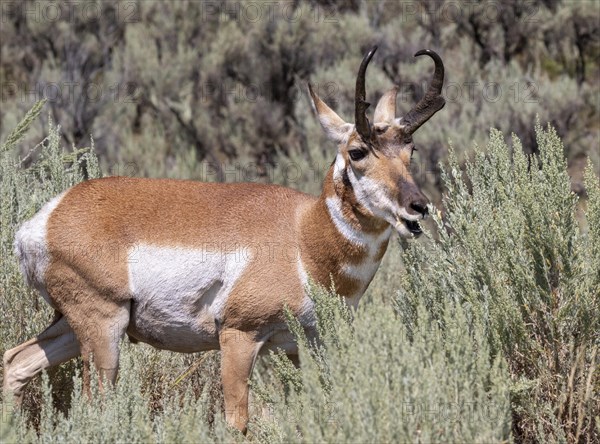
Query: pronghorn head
373, 160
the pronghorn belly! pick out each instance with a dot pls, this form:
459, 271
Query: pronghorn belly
281, 339
179, 295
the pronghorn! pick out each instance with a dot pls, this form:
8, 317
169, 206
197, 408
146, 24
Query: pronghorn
189, 266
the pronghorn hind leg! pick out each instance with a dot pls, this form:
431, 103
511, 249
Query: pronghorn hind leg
99, 331
238, 352
55, 345
98, 316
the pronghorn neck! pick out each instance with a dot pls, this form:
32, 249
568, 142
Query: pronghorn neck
341, 241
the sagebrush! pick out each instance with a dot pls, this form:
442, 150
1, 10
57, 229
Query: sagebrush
486, 331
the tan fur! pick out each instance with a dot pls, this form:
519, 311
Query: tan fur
93, 233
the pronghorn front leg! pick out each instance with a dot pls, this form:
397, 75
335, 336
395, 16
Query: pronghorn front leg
238, 353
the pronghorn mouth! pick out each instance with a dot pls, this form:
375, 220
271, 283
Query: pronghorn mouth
411, 225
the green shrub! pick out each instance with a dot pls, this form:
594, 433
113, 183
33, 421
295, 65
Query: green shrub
511, 252
377, 380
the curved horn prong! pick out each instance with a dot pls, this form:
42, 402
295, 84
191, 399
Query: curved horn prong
360, 105
433, 101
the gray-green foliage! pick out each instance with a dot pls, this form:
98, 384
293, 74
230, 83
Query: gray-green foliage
171, 84
123, 414
376, 380
512, 254
19, 132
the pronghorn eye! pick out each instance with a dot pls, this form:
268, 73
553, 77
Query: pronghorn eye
357, 154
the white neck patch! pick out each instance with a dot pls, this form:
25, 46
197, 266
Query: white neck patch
345, 228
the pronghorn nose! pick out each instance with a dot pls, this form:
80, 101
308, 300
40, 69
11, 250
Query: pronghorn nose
420, 206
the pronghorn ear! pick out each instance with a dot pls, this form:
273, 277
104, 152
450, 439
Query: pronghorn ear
335, 127
385, 112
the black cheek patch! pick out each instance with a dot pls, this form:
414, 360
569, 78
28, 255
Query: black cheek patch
346, 179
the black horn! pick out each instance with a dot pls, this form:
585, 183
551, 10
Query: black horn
432, 102
360, 105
